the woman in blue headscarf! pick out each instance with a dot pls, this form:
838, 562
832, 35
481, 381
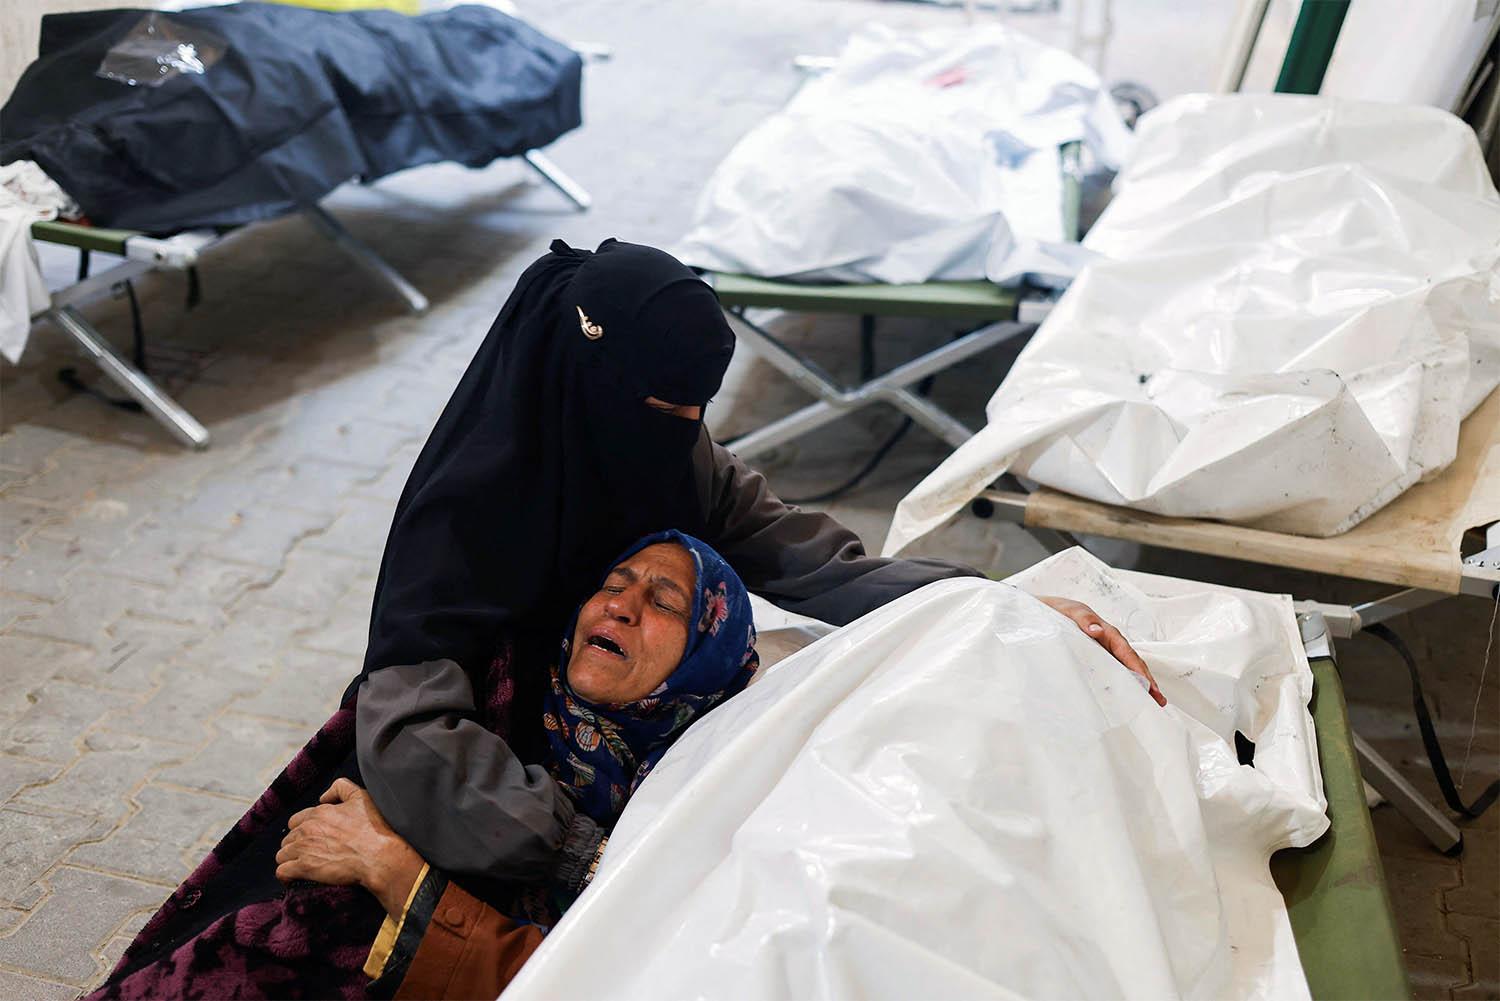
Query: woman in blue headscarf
667, 636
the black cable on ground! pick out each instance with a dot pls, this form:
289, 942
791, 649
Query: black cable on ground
923, 388
1435, 754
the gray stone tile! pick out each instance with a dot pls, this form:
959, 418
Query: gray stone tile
56, 719
17, 772
359, 531
156, 842
83, 907
91, 604
20, 987
27, 447
129, 659
41, 567
311, 580
109, 770
241, 759
304, 691
263, 536
35, 840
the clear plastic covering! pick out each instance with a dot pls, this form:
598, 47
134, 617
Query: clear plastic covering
159, 48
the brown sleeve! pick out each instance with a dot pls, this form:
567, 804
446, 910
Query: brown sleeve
468, 950
802, 561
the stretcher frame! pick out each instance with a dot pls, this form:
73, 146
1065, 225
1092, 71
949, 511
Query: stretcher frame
142, 253
1335, 890
989, 314
1053, 519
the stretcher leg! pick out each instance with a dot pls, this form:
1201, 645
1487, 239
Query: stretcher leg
553, 175
365, 257
1411, 804
132, 380
835, 401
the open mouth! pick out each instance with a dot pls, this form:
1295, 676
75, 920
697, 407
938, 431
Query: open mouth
607, 645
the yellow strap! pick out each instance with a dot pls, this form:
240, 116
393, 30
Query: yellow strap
385, 939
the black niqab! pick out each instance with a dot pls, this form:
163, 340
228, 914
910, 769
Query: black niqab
547, 461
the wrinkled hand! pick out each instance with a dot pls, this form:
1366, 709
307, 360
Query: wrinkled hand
1106, 636
346, 841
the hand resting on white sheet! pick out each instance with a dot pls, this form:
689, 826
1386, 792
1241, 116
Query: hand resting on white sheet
1107, 636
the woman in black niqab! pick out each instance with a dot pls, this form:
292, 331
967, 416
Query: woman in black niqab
547, 460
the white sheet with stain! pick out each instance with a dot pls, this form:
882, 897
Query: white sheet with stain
1298, 301
962, 796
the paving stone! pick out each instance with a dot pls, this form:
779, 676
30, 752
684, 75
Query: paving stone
242, 757
76, 473
1436, 977
264, 535
90, 605
156, 550
56, 719
27, 447
183, 707
20, 607
130, 657
305, 689
109, 770
358, 532
17, 522
29, 662
1483, 936
348, 626
19, 987
206, 588
82, 907
389, 484
310, 581
35, 840
16, 772
1479, 896
41, 566
155, 843
313, 484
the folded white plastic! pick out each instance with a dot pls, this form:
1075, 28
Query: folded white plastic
1298, 303
918, 156
26, 195
962, 796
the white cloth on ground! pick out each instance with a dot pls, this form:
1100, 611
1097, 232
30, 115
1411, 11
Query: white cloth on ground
1297, 302
962, 795
917, 157
26, 195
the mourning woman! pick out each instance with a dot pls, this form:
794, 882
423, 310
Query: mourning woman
577, 428
667, 636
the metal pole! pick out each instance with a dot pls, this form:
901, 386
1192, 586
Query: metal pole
365, 257
166, 410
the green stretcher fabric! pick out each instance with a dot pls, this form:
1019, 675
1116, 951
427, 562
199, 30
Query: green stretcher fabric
977, 300
1335, 888
106, 241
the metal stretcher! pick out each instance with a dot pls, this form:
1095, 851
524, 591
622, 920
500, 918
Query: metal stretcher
1335, 891
988, 313
1414, 544
141, 253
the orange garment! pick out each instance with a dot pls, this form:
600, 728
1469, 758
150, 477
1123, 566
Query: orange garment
469, 951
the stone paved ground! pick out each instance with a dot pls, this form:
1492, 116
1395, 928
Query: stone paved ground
173, 625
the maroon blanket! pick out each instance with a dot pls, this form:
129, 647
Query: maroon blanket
231, 930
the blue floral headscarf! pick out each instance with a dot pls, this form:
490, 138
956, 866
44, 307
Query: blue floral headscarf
600, 753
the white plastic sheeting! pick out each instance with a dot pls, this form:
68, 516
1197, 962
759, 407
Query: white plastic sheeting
962, 796
1298, 303
917, 157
